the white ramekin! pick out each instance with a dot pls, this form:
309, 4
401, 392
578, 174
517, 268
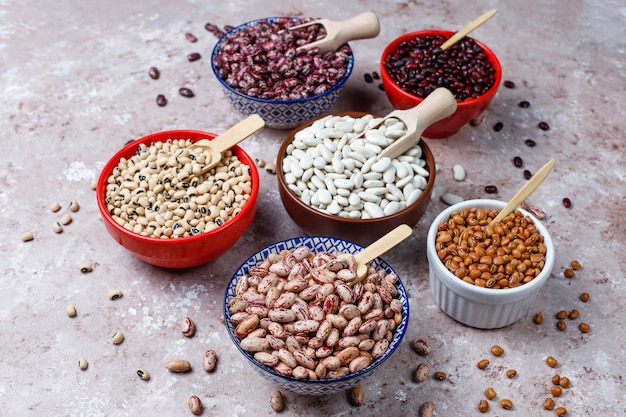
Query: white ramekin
483, 308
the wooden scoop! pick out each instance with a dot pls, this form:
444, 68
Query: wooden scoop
363, 26
469, 28
436, 106
374, 250
228, 139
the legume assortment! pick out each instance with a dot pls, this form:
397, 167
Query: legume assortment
297, 314
261, 60
158, 192
331, 171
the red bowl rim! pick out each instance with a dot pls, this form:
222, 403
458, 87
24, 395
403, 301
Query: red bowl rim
161, 137
467, 102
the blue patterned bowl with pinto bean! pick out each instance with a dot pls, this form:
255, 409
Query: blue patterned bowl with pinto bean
261, 72
311, 259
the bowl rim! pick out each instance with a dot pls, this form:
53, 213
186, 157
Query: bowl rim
411, 35
329, 217
306, 240
242, 26
154, 137
487, 294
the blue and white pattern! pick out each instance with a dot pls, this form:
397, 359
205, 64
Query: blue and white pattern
309, 387
280, 114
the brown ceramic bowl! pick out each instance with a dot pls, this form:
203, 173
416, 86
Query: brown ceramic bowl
360, 231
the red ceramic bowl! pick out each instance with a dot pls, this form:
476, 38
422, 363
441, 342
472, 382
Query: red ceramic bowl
465, 111
182, 252
360, 231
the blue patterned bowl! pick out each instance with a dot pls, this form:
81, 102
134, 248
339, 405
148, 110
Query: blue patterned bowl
314, 387
279, 114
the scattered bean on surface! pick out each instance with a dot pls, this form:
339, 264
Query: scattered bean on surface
524, 104
509, 84
186, 92
28, 236
427, 409
543, 126
556, 379
573, 315
74, 206
66, 219
143, 374
115, 294
270, 168
441, 376
451, 199
178, 365
161, 101
491, 189
56, 227
562, 314
368, 78
85, 267
560, 411
575, 265
498, 126
159, 192
276, 400
209, 360
552, 362
421, 347
584, 327
357, 395
422, 372
530, 143
511, 373
506, 403
538, 318
331, 170
568, 273
548, 403
56, 206
458, 172
556, 390
70, 310
195, 405
154, 73
278, 71
584, 297
564, 382
561, 325
83, 364
118, 337
518, 162
497, 350
490, 393
191, 37
510, 254
483, 406
483, 363
194, 56
187, 327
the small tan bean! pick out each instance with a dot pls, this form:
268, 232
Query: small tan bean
28, 236
552, 363
538, 318
70, 310
548, 403
93, 184
187, 327
143, 374
427, 409
490, 393
56, 227
195, 405
440, 375
483, 406
561, 315
560, 411
357, 395
83, 364
506, 404
575, 265
584, 297
85, 267
497, 350
483, 363
584, 327
259, 162
421, 347
568, 273
118, 337
556, 379
178, 365
564, 382
556, 390
421, 373
115, 294
74, 206
209, 360
561, 325
573, 315
270, 168
511, 373
276, 400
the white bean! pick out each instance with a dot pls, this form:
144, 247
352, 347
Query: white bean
459, 172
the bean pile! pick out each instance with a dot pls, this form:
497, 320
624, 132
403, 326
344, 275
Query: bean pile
332, 172
510, 254
261, 61
419, 66
297, 314
159, 192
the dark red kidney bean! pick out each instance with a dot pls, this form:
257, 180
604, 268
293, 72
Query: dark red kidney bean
185, 92
529, 142
491, 189
154, 73
498, 126
191, 37
518, 162
524, 104
567, 202
419, 66
161, 100
194, 56
527, 174
368, 77
375, 75
381, 87
509, 84
543, 126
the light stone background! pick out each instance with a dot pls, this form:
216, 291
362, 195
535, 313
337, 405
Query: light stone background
74, 88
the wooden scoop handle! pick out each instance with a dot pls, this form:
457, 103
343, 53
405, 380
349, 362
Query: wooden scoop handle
469, 28
363, 26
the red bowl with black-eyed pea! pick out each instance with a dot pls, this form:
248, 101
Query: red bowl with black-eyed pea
294, 329
176, 220
260, 72
481, 302
413, 65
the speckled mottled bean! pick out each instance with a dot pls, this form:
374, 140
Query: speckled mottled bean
187, 327
195, 405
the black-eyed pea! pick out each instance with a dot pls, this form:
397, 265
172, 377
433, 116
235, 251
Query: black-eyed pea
70, 310
357, 395
66, 219
56, 227
276, 400
178, 365
27, 237
195, 405
143, 374
118, 337
427, 409
74, 206
54, 207
209, 360
115, 294
85, 267
421, 373
83, 364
